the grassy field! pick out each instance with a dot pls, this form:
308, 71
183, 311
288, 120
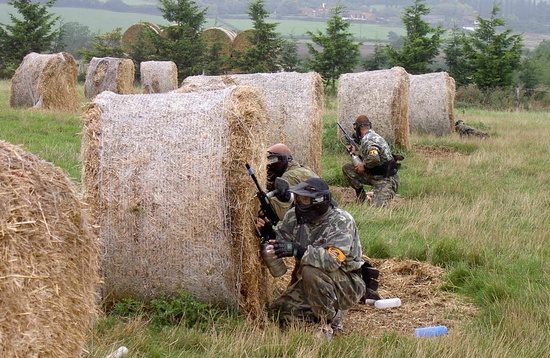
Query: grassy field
478, 209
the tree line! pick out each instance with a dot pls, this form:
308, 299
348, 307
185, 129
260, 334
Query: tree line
488, 57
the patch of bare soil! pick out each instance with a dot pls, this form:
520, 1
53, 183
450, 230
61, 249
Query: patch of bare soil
434, 152
417, 285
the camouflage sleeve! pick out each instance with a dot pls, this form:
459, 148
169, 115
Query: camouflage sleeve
339, 246
371, 155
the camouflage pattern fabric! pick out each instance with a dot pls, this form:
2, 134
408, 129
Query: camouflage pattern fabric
372, 140
375, 151
384, 189
295, 173
324, 282
465, 130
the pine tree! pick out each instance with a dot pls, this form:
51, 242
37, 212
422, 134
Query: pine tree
458, 66
182, 42
419, 48
265, 49
34, 31
108, 44
493, 57
338, 52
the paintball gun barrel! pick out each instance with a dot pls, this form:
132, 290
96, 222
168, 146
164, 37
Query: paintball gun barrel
355, 159
265, 206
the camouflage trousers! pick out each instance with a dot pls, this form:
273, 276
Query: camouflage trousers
317, 295
384, 189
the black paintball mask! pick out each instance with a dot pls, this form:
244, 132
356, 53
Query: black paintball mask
313, 199
358, 125
277, 164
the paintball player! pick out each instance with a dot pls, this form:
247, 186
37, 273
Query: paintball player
281, 165
378, 167
324, 241
465, 130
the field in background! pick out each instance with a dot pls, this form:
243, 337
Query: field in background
480, 209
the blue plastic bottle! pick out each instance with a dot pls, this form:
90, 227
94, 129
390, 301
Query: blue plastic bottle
433, 331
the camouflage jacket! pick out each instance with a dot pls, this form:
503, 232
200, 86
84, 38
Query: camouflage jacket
295, 174
374, 150
336, 229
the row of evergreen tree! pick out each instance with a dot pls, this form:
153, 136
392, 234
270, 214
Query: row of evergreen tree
486, 57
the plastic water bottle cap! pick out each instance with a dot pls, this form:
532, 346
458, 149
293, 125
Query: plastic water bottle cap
388, 303
433, 331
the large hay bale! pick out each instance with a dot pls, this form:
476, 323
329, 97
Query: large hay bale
294, 104
432, 103
136, 35
242, 40
383, 96
109, 74
49, 266
158, 76
221, 37
46, 81
166, 180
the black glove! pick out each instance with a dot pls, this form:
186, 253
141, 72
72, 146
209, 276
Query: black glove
267, 232
284, 248
282, 186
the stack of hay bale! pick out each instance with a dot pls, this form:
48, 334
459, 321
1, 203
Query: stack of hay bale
166, 181
49, 266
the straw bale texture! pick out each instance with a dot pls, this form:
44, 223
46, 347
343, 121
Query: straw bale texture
109, 74
158, 76
432, 103
242, 40
136, 33
220, 36
294, 103
47, 82
383, 96
165, 176
49, 266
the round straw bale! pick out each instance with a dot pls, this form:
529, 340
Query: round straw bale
49, 266
295, 108
158, 76
173, 202
136, 35
46, 81
109, 74
219, 36
242, 40
383, 96
432, 103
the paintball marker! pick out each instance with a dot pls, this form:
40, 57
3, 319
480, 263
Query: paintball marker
355, 159
266, 208
276, 266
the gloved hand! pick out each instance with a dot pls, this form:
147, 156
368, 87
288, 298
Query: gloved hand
285, 248
282, 186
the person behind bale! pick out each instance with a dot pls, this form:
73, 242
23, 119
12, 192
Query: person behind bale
281, 165
378, 167
465, 130
324, 241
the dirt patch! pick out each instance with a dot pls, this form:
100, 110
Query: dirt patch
417, 284
431, 151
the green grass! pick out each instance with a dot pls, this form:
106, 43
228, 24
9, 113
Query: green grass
478, 208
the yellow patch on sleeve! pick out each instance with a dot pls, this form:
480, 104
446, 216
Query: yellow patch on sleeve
373, 152
337, 253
